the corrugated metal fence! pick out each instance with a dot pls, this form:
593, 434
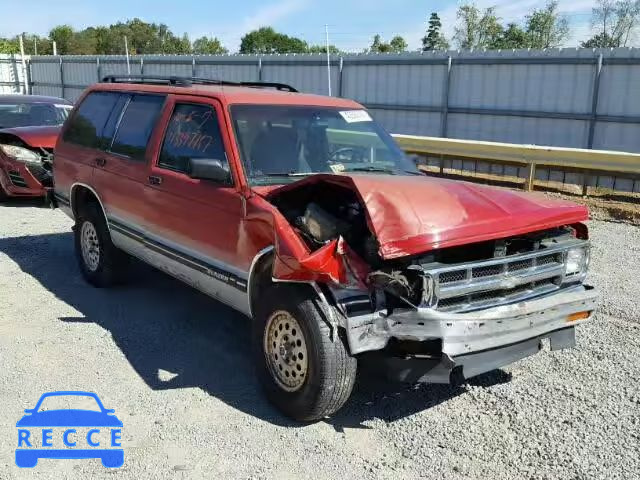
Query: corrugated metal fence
568, 97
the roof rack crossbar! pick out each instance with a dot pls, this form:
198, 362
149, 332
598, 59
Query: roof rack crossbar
189, 81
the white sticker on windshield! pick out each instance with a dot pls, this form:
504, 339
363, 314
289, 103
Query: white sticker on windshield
353, 116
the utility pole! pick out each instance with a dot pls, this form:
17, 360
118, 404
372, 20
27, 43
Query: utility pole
326, 31
55, 48
35, 46
126, 51
25, 75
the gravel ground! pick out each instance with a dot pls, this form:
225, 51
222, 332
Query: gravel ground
174, 365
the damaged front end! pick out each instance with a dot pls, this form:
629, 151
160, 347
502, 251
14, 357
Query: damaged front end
25, 170
446, 309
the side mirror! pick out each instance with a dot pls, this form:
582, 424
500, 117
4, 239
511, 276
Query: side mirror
209, 169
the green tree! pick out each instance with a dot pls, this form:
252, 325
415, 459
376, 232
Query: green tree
333, 50
396, 45
614, 23
512, 37
267, 40
9, 46
377, 46
546, 28
477, 29
600, 40
208, 46
63, 35
434, 40
84, 42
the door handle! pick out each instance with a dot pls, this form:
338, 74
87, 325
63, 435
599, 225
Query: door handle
155, 180
101, 162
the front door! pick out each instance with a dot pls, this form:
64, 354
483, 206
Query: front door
193, 225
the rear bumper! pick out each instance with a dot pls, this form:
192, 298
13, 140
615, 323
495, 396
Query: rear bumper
510, 331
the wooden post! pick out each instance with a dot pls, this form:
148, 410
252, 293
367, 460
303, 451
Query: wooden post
531, 177
586, 179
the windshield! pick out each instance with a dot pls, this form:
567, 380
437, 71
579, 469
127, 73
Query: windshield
279, 144
32, 114
67, 402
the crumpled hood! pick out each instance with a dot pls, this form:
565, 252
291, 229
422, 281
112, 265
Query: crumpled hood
414, 214
45, 136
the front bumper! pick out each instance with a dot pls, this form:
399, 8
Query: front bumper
17, 180
462, 334
455, 370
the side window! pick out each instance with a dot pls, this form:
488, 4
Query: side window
87, 123
136, 125
193, 132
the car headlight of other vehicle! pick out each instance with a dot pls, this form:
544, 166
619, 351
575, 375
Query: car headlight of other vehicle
577, 262
20, 154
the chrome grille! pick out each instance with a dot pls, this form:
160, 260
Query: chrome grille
456, 276
486, 283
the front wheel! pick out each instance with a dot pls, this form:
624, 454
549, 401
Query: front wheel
101, 262
305, 373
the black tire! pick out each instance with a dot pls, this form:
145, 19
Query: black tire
112, 262
331, 370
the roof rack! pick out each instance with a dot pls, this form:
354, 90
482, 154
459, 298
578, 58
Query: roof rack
189, 81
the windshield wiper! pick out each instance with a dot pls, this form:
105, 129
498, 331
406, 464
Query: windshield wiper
372, 169
284, 174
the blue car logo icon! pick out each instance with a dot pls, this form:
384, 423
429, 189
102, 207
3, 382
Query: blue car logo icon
69, 433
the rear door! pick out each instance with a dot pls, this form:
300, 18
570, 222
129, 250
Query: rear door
82, 141
194, 225
121, 169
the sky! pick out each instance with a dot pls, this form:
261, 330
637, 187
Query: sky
352, 23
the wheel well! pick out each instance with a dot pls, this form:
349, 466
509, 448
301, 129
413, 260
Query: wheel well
81, 196
260, 278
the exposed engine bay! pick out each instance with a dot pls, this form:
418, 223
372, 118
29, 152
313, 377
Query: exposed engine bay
459, 278
322, 214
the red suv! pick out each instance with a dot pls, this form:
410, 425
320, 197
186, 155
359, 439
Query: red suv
301, 212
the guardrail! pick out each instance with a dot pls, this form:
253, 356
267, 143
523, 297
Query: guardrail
589, 162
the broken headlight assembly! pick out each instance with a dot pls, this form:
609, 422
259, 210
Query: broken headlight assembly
577, 262
21, 154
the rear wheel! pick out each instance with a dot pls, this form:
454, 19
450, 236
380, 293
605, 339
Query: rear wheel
304, 373
101, 263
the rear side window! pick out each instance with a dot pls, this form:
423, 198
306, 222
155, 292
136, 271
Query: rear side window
193, 132
87, 123
136, 125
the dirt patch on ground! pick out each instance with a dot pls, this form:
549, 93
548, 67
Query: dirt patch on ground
604, 208
604, 204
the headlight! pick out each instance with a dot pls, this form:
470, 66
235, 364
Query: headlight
20, 154
577, 261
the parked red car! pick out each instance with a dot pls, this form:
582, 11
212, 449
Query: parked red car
301, 212
29, 127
